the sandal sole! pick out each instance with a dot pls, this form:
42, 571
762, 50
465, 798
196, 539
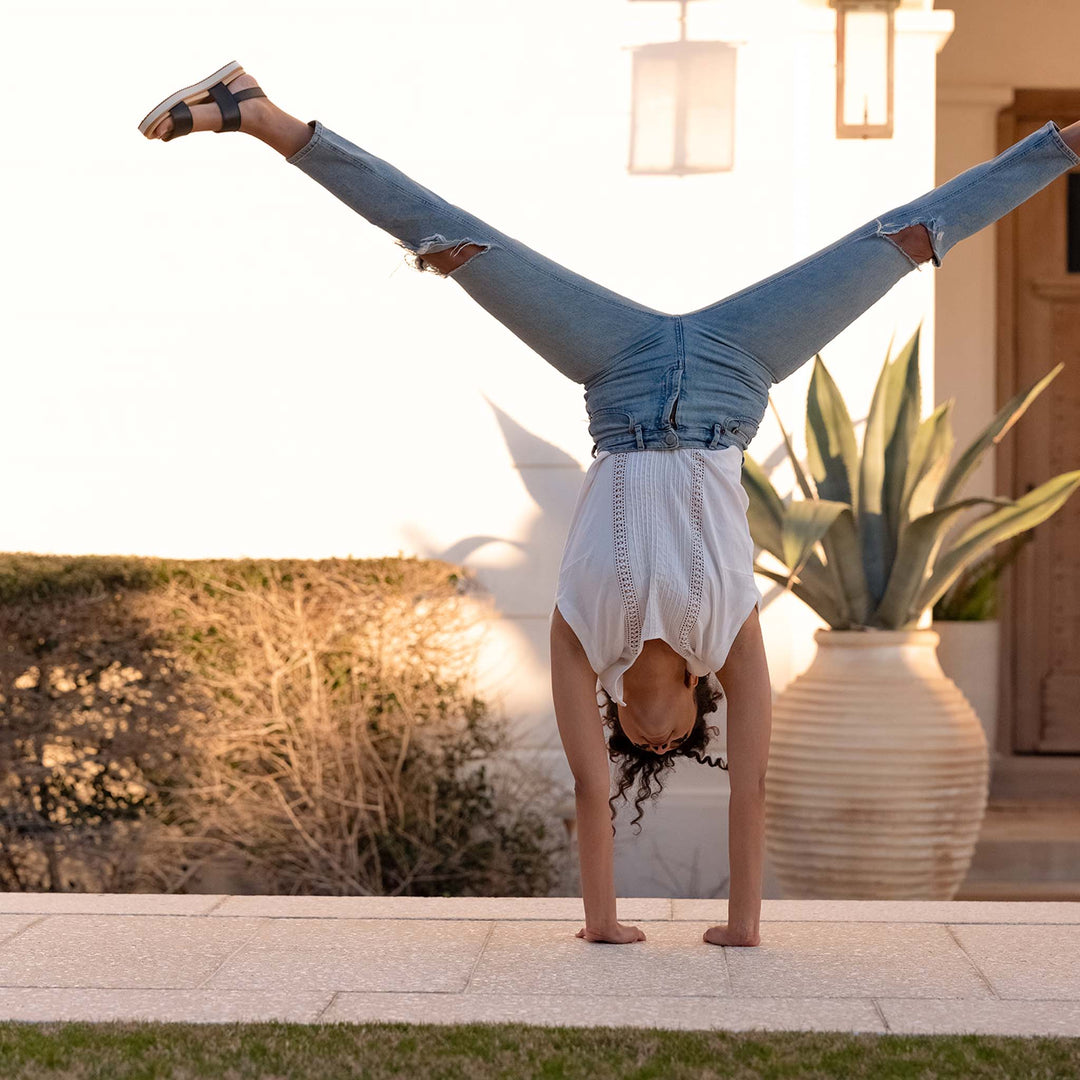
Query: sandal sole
194, 94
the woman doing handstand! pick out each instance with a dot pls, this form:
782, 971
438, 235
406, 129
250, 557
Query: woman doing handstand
656, 588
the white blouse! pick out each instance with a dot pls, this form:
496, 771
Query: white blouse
658, 547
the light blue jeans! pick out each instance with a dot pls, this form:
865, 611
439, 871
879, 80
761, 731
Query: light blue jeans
656, 381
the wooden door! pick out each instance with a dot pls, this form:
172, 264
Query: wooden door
1039, 327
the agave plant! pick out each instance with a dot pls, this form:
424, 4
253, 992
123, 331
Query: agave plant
866, 546
973, 596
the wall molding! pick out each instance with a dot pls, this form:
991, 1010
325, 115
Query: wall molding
980, 95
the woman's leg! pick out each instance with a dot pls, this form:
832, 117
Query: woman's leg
785, 319
578, 326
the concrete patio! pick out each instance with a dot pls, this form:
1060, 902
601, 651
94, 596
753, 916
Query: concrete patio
860, 966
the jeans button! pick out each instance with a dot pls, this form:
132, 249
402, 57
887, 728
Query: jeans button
671, 439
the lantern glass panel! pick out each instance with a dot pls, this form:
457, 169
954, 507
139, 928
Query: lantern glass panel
684, 107
656, 96
710, 108
866, 67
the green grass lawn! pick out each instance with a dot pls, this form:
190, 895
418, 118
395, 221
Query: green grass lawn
127, 1051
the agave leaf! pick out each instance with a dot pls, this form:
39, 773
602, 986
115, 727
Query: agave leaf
1025, 513
897, 382
907, 385
815, 575
892, 342
876, 483
800, 476
813, 579
915, 559
818, 601
833, 457
765, 511
992, 434
979, 603
841, 545
872, 525
973, 595
929, 459
805, 522
1056, 490
832, 453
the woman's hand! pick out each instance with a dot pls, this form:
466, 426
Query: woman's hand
725, 935
615, 935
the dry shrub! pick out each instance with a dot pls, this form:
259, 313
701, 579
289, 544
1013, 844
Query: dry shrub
92, 735
312, 722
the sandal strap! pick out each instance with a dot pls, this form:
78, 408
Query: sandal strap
230, 111
250, 92
181, 118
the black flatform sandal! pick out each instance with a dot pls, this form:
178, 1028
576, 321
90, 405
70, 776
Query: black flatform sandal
213, 88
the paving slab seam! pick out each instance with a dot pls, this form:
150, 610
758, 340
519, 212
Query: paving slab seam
479, 956
68, 904
99, 986
555, 918
635, 995
211, 910
648, 1013
322, 1012
405, 918
883, 922
893, 919
22, 930
152, 915
878, 1009
821, 919
504, 918
727, 969
978, 971
732, 997
239, 948
1047, 1000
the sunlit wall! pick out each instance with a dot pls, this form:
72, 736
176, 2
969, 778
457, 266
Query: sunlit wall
206, 354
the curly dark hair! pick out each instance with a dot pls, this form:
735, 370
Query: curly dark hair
644, 765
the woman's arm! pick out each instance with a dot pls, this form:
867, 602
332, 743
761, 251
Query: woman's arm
745, 679
573, 686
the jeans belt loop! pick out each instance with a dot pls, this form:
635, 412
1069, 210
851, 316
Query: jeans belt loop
717, 431
637, 435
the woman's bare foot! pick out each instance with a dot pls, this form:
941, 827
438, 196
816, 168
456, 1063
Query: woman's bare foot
724, 934
207, 116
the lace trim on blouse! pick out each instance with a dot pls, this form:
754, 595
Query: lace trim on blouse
631, 611
697, 558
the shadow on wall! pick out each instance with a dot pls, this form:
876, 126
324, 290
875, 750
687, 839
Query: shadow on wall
520, 574
522, 591
523, 588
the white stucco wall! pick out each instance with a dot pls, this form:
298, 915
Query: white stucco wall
210, 356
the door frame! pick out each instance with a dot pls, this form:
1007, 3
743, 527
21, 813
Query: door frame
1020, 774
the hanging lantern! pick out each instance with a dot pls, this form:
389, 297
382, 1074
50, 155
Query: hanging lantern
683, 106
865, 67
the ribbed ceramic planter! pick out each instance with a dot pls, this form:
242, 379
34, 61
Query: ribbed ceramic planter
878, 772
968, 652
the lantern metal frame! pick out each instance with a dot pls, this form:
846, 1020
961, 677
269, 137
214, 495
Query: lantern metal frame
843, 8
